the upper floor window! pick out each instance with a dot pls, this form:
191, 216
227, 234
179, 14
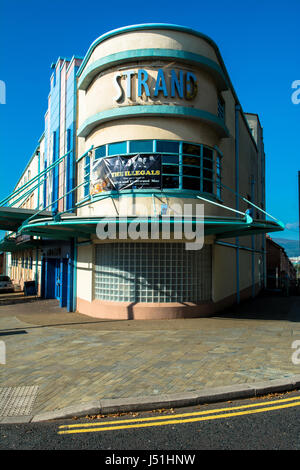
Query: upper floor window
86, 175
221, 108
184, 165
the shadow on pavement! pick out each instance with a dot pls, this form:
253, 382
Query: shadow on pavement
266, 306
11, 298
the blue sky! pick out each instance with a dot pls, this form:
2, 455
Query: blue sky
259, 42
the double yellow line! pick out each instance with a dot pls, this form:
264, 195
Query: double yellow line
193, 417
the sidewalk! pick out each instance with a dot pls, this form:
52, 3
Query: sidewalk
60, 359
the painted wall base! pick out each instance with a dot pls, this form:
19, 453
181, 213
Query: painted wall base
156, 311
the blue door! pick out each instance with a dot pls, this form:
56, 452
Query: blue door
50, 278
56, 280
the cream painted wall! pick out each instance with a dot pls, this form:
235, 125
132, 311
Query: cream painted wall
223, 272
100, 96
85, 272
132, 206
160, 39
102, 93
153, 128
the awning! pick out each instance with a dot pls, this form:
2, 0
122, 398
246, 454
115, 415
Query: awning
15, 243
12, 217
83, 227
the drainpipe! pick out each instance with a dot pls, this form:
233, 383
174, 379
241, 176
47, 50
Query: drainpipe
36, 268
71, 268
252, 242
237, 191
37, 206
38, 188
74, 275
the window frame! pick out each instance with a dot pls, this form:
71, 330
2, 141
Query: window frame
212, 168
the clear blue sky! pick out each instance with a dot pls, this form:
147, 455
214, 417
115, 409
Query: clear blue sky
259, 42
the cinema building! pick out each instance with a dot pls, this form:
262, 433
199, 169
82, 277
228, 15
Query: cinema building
144, 128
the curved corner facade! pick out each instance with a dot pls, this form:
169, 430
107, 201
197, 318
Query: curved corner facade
164, 92
146, 194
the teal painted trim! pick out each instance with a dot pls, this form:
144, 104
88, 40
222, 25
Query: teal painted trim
23, 197
165, 26
141, 27
74, 306
36, 266
84, 154
229, 223
246, 248
39, 182
85, 199
248, 218
30, 182
137, 54
54, 202
151, 110
237, 186
88, 243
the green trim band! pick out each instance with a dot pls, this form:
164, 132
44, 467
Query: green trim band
140, 27
152, 110
137, 54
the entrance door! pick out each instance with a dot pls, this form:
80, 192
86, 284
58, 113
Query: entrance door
63, 300
56, 280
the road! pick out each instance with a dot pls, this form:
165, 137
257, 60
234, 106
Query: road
270, 423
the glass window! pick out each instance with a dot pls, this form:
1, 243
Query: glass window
218, 177
117, 148
170, 181
191, 171
207, 186
157, 279
191, 149
191, 183
189, 160
100, 152
86, 185
173, 169
208, 174
167, 147
207, 153
170, 159
141, 146
221, 108
200, 170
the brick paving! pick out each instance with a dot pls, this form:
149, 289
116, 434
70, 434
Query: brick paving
74, 359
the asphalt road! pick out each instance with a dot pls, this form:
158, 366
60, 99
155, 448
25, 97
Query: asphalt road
267, 423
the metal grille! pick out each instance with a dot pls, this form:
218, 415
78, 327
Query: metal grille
152, 272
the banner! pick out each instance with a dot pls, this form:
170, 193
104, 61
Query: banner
126, 172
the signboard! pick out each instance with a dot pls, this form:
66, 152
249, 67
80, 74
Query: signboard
169, 83
126, 172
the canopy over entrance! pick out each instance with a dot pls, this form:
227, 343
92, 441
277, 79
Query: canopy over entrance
11, 218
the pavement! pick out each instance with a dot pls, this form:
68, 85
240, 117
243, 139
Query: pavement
61, 364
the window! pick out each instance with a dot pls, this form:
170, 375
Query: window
185, 165
141, 146
218, 176
163, 146
117, 148
100, 152
86, 175
152, 272
221, 108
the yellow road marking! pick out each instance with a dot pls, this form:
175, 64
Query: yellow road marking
96, 427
